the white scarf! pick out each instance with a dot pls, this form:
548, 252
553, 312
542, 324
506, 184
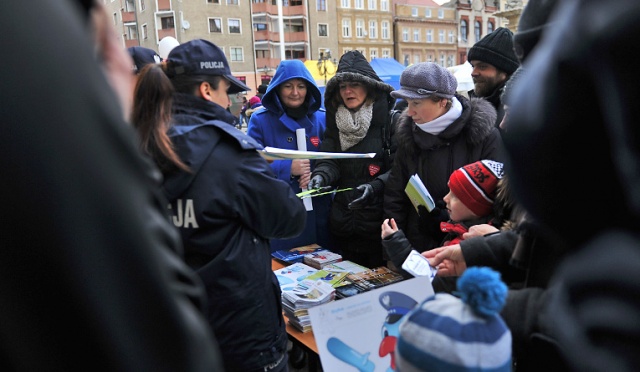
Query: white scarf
353, 126
437, 125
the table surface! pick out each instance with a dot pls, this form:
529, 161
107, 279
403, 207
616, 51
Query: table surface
307, 339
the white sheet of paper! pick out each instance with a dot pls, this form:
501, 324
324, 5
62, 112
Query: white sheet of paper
302, 146
418, 265
274, 153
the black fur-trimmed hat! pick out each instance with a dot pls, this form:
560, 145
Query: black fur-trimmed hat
353, 66
496, 49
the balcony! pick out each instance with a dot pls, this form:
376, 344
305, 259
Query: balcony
128, 17
289, 37
162, 33
164, 5
130, 43
288, 11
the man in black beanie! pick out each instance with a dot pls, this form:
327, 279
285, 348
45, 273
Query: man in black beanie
493, 61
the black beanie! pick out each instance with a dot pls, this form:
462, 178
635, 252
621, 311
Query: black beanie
496, 49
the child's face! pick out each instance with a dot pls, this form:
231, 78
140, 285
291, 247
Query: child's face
457, 211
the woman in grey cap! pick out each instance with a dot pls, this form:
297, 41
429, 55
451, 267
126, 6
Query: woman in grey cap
439, 132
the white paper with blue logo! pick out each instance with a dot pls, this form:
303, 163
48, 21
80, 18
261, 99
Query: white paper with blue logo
358, 334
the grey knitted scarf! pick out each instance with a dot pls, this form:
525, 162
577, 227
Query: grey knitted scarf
353, 126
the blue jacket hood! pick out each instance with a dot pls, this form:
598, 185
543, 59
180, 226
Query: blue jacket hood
287, 70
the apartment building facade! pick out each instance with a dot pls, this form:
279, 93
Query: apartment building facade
425, 32
256, 35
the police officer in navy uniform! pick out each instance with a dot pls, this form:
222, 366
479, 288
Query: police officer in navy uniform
227, 206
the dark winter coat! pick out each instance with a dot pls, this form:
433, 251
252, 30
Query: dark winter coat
469, 138
350, 173
227, 208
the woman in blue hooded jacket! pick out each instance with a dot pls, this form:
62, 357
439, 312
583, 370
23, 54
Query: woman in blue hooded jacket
293, 101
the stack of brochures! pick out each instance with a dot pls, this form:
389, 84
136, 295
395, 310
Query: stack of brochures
374, 278
290, 276
307, 293
321, 258
296, 254
345, 266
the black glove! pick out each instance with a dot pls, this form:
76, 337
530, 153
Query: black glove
364, 199
430, 221
317, 182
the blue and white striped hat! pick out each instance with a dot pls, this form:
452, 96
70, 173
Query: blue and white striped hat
446, 333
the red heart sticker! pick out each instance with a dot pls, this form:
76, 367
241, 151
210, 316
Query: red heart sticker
374, 169
315, 140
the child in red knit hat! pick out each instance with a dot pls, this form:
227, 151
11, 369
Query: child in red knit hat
472, 190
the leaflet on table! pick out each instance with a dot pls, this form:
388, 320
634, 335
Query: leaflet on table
273, 153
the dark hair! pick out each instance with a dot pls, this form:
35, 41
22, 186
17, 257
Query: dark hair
151, 116
183, 83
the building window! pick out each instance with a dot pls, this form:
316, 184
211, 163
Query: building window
131, 33
442, 59
321, 5
373, 53
490, 27
414, 12
345, 4
385, 30
405, 34
143, 6
359, 4
213, 1
373, 29
232, 2
215, 25
427, 13
359, 28
386, 53
440, 13
234, 26
478, 31
452, 37
322, 29
373, 4
166, 23
384, 5
463, 30
346, 28
145, 32
416, 35
236, 54
429, 36
441, 36
115, 18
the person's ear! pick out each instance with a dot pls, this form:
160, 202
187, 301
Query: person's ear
205, 90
